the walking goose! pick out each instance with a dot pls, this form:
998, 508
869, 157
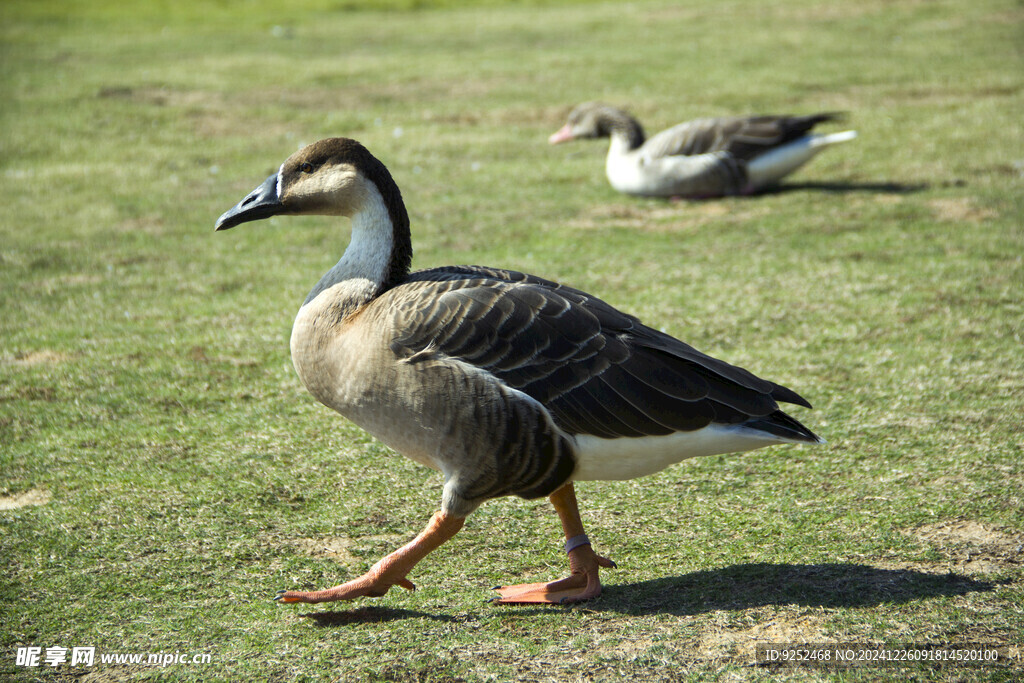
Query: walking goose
701, 158
506, 383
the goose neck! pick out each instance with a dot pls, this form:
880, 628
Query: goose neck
625, 132
620, 146
379, 252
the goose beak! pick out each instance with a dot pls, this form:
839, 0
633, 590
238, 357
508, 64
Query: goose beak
563, 134
262, 202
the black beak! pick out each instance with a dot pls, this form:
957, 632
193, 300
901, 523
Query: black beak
260, 203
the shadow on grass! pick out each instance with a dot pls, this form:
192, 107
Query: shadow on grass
744, 586
884, 187
369, 614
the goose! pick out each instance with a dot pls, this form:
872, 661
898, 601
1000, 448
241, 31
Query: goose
707, 157
505, 383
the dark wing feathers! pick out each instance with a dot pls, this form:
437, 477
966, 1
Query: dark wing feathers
755, 135
743, 137
649, 369
781, 424
787, 395
598, 370
667, 410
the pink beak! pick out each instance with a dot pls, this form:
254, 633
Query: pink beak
563, 134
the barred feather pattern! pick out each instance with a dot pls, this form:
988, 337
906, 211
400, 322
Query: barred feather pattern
552, 342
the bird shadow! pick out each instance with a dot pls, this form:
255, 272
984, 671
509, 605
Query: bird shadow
882, 187
746, 586
739, 587
369, 614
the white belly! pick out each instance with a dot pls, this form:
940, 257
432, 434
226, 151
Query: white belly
626, 458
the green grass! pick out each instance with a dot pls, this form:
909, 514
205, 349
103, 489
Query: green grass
164, 472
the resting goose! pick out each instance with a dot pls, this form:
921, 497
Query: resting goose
506, 383
701, 158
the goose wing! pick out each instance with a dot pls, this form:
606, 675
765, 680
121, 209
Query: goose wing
743, 137
597, 370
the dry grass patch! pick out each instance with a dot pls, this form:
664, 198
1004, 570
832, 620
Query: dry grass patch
739, 644
973, 547
331, 547
40, 357
960, 210
25, 499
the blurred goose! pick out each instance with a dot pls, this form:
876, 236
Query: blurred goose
701, 158
506, 383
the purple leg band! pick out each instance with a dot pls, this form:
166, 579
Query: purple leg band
576, 542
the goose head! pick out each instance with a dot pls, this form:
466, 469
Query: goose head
332, 177
598, 120
339, 177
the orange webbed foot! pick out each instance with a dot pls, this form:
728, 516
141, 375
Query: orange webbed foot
583, 584
365, 586
389, 571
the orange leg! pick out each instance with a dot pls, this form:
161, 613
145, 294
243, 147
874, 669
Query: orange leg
583, 582
391, 570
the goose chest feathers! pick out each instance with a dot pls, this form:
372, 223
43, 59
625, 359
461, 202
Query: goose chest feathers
707, 157
506, 383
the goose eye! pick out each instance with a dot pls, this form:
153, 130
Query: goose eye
306, 167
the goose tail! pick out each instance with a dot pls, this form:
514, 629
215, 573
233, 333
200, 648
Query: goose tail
772, 166
783, 427
827, 139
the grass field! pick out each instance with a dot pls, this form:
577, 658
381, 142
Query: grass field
163, 472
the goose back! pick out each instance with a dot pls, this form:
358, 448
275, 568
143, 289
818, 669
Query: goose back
741, 137
599, 371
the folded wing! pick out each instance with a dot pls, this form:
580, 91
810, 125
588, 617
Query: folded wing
597, 370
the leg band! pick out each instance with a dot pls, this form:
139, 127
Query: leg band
576, 542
